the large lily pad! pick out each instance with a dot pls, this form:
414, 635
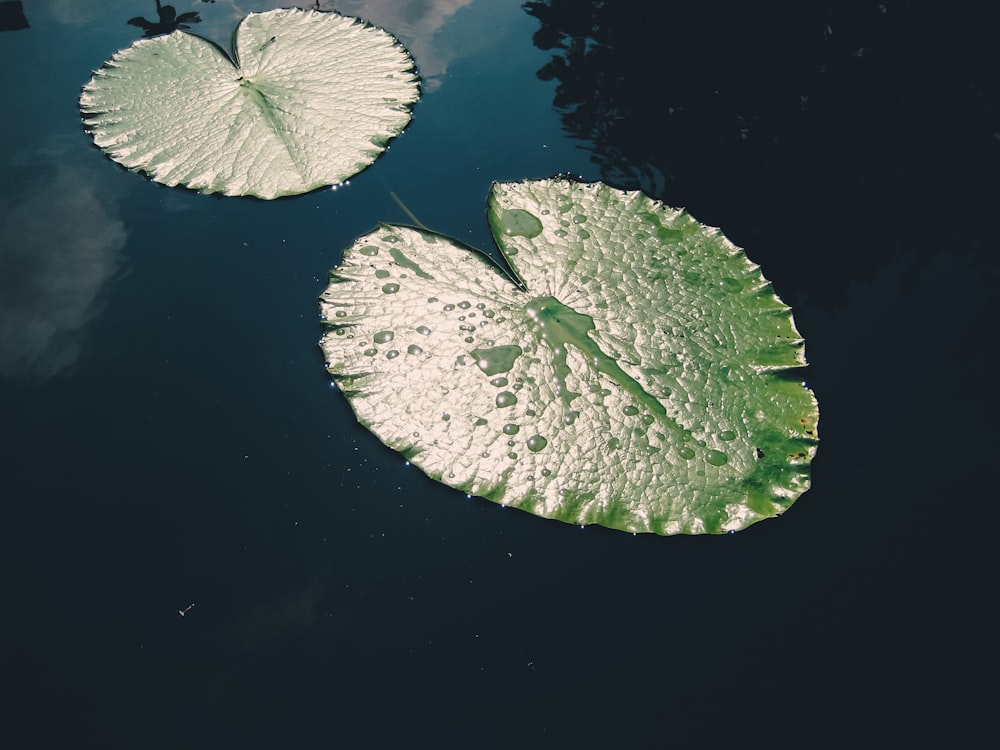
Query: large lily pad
642, 374
306, 100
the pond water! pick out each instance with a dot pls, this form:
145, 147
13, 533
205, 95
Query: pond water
201, 547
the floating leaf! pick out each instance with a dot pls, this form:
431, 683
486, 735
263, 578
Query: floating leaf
307, 99
642, 376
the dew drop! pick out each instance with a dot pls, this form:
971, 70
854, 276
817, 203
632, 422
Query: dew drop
414, 350
369, 250
340, 314
423, 330
511, 429
499, 382
391, 288
391, 354
497, 359
727, 435
505, 399
381, 273
383, 337
370, 352
537, 443
630, 410
686, 453
516, 222
445, 416
716, 458
480, 422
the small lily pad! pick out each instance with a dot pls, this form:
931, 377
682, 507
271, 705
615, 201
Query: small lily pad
307, 99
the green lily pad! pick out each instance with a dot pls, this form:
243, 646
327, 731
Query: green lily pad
307, 99
640, 374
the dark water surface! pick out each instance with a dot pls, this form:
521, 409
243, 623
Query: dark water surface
170, 437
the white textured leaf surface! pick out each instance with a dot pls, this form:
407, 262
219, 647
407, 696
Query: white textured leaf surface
640, 380
314, 99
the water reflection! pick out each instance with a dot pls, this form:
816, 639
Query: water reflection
12, 16
656, 100
73, 12
60, 244
167, 21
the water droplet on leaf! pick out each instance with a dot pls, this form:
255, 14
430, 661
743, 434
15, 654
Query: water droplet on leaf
505, 399
516, 222
537, 443
716, 458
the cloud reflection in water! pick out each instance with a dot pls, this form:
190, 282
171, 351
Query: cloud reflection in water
60, 244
